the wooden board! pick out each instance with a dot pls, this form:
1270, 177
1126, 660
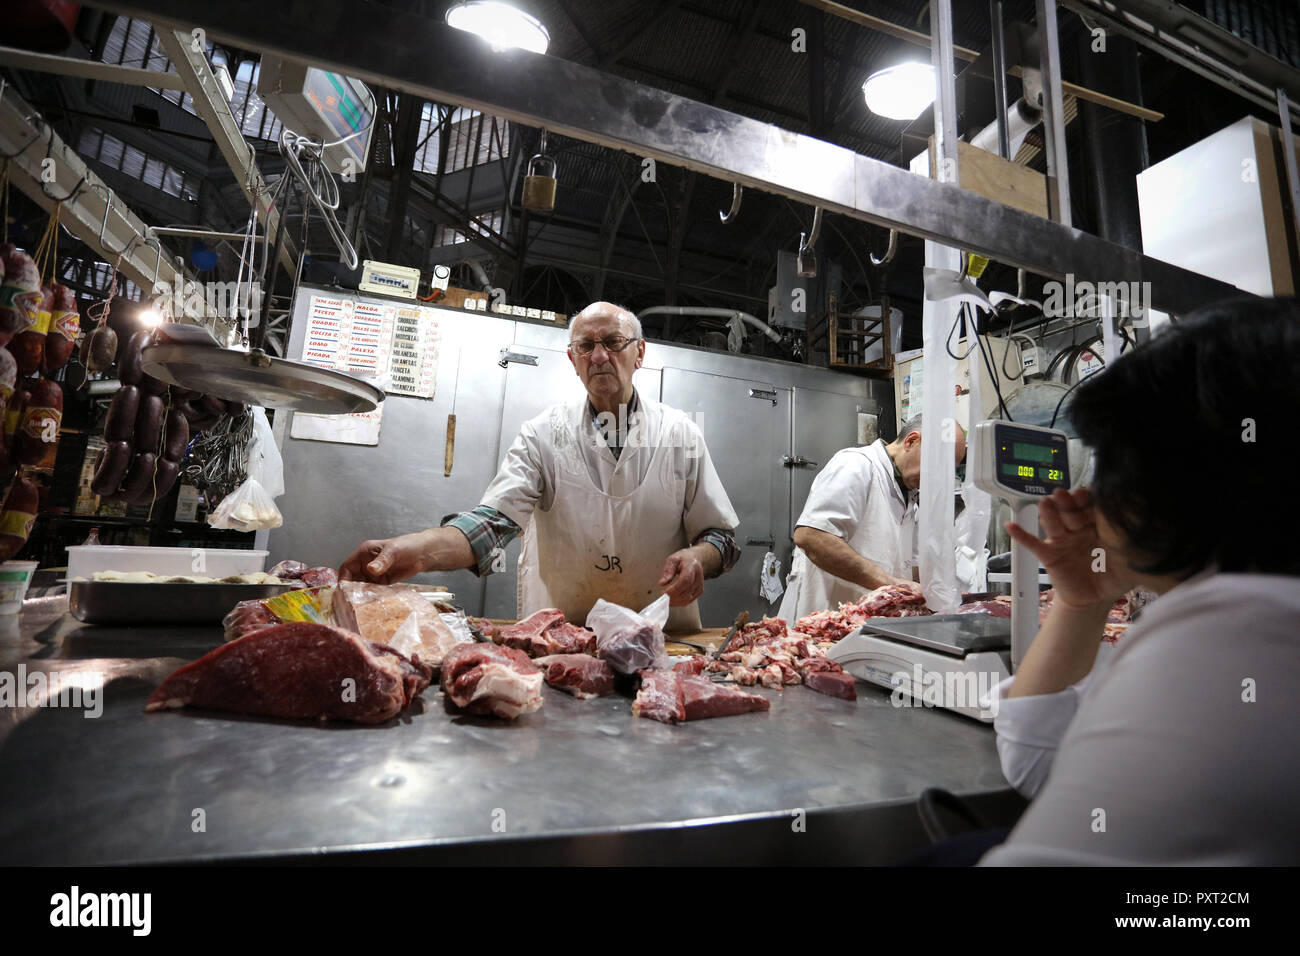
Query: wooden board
989, 175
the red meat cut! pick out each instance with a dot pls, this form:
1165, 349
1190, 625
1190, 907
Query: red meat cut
546, 632
297, 671
487, 679
581, 675
827, 677
673, 696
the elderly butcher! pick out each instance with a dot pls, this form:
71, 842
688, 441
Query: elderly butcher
855, 532
615, 495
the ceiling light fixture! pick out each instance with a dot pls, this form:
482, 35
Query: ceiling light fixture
900, 92
503, 25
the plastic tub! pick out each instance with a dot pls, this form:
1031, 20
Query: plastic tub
85, 560
15, 576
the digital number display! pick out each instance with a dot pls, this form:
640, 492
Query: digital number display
1027, 451
1051, 474
1019, 470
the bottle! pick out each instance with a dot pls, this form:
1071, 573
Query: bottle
92, 539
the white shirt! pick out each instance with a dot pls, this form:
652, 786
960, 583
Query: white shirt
1182, 747
526, 478
855, 497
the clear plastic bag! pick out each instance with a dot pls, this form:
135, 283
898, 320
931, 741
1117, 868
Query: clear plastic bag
629, 641
264, 461
247, 508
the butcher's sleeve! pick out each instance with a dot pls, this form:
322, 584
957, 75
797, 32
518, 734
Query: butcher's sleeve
705, 505
521, 483
1030, 729
488, 532
837, 501
725, 542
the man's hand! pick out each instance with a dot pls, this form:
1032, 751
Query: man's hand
386, 561
682, 578
1068, 519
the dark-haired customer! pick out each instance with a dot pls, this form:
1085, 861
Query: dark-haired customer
1183, 745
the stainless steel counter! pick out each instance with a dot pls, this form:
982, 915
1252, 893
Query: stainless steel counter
577, 781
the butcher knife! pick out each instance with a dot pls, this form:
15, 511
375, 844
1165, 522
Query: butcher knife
740, 621
450, 451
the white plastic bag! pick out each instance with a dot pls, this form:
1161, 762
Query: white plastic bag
629, 641
247, 508
264, 461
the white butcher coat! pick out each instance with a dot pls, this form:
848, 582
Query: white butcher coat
598, 526
855, 497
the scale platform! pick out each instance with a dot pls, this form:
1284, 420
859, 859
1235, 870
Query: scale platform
943, 660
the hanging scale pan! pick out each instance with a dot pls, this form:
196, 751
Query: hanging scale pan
255, 378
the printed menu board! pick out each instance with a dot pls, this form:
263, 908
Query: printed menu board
413, 355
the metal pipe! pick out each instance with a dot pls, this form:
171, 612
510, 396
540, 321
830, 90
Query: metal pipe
945, 101
198, 233
1058, 173
1000, 78
745, 317
1288, 153
1021, 118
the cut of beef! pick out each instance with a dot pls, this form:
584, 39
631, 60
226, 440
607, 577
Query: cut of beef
994, 608
545, 633
394, 614
309, 576
692, 665
891, 600
827, 677
487, 679
581, 675
247, 617
660, 697
297, 671
703, 698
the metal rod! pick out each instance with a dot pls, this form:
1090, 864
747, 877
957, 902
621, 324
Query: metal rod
1058, 174
1000, 77
945, 101
195, 232
1288, 153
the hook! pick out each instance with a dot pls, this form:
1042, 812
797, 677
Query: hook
103, 225
806, 259
737, 192
157, 266
889, 252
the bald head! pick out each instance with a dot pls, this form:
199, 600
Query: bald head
606, 371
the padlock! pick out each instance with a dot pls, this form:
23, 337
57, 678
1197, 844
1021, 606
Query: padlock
539, 184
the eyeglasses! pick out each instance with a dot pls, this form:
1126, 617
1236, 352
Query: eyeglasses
615, 343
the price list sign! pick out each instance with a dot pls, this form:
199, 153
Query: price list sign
329, 319
413, 357
368, 338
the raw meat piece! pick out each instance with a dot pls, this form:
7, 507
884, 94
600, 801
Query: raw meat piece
297, 671
483, 626
487, 679
394, 614
827, 677
310, 577
581, 675
993, 608
703, 698
632, 648
891, 600
247, 617
1113, 631
670, 697
545, 633
692, 665
660, 697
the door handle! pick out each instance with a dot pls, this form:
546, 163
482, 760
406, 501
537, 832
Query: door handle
523, 358
797, 461
766, 394
766, 542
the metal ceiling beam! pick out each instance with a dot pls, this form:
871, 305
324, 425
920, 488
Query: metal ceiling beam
29, 140
211, 105
445, 65
89, 69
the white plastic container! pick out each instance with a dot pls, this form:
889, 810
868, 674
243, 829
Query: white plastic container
83, 561
15, 576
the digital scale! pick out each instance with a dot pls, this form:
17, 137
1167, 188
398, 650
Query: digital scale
951, 660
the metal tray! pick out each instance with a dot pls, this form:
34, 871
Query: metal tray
256, 378
124, 602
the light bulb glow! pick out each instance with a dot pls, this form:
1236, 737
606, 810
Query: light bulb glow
501, 24
900, 92
151, 317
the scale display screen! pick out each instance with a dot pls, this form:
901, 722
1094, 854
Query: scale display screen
1030, 461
